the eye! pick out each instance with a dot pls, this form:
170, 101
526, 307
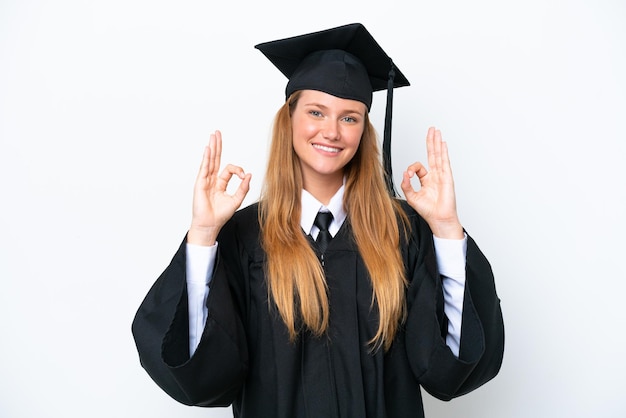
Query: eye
315, 113
350, 119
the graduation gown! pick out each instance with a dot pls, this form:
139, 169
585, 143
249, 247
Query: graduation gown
245, 358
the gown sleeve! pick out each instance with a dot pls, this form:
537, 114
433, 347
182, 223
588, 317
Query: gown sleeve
438, 370
215, 373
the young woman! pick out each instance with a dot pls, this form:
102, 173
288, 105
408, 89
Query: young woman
256, 311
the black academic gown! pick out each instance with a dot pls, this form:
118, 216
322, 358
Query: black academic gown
245, 358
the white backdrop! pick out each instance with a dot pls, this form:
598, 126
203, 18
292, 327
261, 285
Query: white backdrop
105, 107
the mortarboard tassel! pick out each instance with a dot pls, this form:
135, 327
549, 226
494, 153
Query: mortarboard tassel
387, 133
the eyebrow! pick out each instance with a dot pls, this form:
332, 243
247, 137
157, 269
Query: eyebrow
347, 110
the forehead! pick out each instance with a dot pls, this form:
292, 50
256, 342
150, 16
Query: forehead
319, 98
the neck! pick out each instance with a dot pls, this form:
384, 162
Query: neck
323, 188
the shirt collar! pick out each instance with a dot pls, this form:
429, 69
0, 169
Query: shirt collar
310, 207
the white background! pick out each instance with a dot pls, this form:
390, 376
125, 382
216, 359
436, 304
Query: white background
105, 107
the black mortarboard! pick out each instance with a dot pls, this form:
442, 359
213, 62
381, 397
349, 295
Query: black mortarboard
346, 62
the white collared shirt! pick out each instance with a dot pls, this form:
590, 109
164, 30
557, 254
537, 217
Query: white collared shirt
311, 206
450, 261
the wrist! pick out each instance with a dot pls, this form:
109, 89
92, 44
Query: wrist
198, 235
448, 230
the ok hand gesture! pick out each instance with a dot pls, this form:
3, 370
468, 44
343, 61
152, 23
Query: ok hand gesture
212, 206
435, 201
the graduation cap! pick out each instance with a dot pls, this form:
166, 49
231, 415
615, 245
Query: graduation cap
346, 62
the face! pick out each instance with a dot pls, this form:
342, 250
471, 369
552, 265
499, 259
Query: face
327, 132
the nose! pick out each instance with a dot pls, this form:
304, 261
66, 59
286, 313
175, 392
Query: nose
330, 130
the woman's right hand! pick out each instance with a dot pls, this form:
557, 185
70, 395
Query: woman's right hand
212, 206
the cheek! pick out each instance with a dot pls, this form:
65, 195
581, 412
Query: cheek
304, 130
353, 138
300, 125
355, 148
301, 134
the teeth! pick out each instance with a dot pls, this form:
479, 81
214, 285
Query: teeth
325, 148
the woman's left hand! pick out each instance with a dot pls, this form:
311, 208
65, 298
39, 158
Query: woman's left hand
435, 201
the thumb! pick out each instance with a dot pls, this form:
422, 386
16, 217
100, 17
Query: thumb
243, 188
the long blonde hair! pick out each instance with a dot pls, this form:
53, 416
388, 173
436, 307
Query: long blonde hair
295, 278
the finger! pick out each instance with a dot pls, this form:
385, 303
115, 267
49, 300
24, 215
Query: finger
204, 165
436, 150
438, 142
227, 173
217, 158
415, 169
231, 170
406, 186
445, 159
212, 167
243, 189
418, 169
430, 147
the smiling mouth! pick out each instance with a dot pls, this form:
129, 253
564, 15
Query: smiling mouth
326, 148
